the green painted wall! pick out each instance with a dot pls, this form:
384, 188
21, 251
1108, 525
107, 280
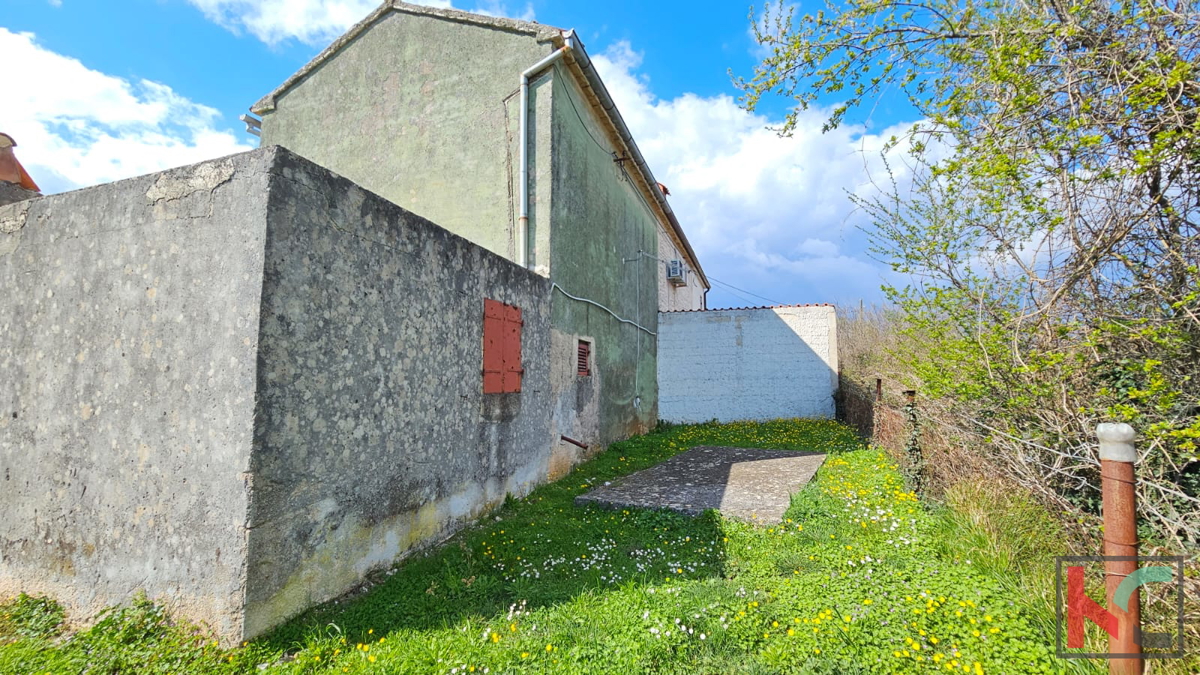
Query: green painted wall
599, 224
424, 111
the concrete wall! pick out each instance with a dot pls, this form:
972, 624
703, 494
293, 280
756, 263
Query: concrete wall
427, 116
128, 334
672, 297
747, 364
600, 224
422, 110
11, 193
240, 386
374, 436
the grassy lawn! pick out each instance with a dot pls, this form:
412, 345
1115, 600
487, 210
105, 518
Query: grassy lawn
860, 578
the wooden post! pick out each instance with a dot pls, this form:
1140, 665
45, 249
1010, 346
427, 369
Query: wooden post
1119, 487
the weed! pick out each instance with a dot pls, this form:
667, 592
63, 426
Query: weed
856, 579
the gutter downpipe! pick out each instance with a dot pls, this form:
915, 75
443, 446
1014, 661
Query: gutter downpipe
523, 214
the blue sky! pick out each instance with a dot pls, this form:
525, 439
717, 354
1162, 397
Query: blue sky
108, 90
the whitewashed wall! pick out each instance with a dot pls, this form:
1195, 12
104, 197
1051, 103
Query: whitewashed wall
747, 364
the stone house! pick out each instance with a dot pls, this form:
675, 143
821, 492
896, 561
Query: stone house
501, 131
242, 385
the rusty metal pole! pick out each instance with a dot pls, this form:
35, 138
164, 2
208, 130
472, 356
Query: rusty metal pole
1119, 486
878, 389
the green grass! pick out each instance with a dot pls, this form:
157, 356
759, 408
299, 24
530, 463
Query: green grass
859, 578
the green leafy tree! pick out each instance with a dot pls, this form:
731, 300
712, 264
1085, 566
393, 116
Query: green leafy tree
1045, 210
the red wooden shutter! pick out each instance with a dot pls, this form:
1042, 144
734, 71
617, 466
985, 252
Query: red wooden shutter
493, 353
502, 369
512, 349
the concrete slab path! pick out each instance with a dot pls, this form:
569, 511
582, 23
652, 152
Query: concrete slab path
746, 483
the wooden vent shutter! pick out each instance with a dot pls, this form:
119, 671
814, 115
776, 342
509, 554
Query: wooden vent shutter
585, 353
501, 348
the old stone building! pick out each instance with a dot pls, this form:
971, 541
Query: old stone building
502, 131
242, 385
447, 277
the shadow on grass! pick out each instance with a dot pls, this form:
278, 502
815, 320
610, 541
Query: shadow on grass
544, 551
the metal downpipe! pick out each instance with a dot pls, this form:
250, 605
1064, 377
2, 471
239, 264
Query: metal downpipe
523, 132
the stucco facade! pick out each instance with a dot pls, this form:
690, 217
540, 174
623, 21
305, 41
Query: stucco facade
427, 110
748, 364
240, 386
423, 111
691, 293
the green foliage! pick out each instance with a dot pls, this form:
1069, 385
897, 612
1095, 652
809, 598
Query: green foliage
138, 638
856, 579
1047, 215
30, 617
1006, 534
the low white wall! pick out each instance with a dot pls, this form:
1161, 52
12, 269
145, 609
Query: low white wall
747, 364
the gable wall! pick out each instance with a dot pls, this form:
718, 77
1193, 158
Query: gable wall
423, 111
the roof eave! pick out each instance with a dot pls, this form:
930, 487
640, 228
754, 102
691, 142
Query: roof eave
577, 57
266, 104
582, 68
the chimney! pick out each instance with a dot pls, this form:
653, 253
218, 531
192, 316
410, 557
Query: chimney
15, 182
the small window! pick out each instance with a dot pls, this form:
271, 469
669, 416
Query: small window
585, 358
501, 348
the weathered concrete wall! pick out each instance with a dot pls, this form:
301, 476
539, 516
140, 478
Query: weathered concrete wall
673, 298
128, 334
600, 225
240, 386
423, 110
747, 364
374, 436
11, 193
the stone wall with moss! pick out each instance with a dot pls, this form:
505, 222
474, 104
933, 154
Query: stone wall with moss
373, 436
242, 385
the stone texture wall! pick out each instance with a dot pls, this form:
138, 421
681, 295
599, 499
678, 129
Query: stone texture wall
374, 436
240, 386
11, 193
128, 334
747, 364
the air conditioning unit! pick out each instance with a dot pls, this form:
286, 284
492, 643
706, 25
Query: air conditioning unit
675, 273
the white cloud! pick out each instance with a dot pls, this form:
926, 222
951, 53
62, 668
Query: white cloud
76, 126
316, 22
769, 214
